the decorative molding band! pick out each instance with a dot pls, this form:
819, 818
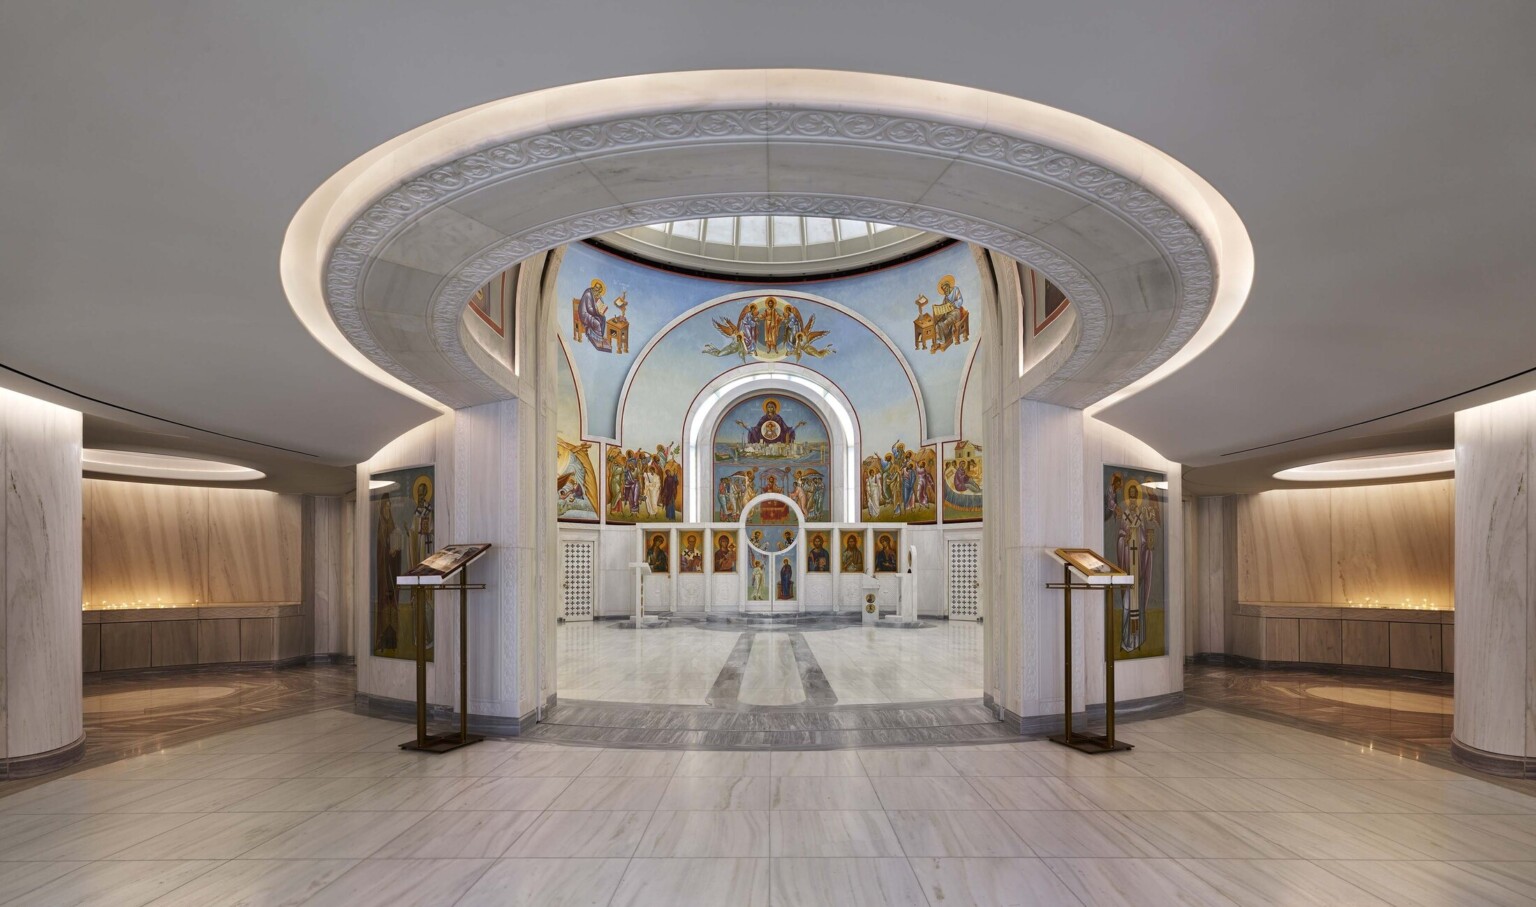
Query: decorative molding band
1182, 248
36, 764
1493, 763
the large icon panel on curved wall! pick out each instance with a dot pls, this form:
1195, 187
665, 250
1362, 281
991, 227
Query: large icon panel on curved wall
772, 444
961, 481
900, 486
644, 486
1134, 502
402, 534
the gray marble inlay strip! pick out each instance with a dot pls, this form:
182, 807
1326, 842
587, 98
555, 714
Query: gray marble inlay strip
818, 691
726, 692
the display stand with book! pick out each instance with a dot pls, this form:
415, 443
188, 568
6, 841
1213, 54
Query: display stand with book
1093, 573
444, 571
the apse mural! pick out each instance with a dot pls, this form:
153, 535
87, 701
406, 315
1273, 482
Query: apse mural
402, 531
899, 487
645, 486
631, 383
772, 443
962, 481
1133, 519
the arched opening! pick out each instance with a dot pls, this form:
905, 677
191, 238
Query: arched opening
1130, 236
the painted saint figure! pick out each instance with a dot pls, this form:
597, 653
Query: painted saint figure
885, 555
786, 580
771, 427
656, 554
725, 554
818, 560
691, 560
592, 316
853, 555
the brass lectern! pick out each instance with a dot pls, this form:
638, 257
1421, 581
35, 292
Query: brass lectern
433, 575
1094, 573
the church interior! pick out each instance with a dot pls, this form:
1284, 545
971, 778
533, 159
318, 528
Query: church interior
1083, 462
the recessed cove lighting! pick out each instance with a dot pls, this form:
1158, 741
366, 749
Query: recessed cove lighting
164, 466
1380, 466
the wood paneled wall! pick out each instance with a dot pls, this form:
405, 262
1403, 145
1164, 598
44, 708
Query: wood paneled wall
1390, 543
179, 544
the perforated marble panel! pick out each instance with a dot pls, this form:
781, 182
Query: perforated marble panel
690, 592
818, 592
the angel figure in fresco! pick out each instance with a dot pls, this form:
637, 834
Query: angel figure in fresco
769, 329
757, 590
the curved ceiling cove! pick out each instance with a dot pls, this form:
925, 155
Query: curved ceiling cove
383, 258
143, 465
1424, 463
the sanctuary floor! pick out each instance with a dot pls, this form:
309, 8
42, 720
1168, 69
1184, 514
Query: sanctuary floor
726, 666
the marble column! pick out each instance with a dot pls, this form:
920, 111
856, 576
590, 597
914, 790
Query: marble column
40, 658
1495, 724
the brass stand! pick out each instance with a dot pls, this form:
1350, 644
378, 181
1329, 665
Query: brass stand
443, 743
1092, 744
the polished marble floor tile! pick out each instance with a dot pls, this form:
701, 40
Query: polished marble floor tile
1425, 883
403, 883
705, 833
215, 836
458, 835
727, 765
845, 882
1135, 883
546, 883
1030, 793
1281, 883
701, 882
582, 833
95, 837
611, 793
1202, 835
986, 882
906, 763
807, 792
1087, 833
19, 879
956, 833
832, 833
335, 836
710, 792
928, 793
498, 793
257, 883
125, 883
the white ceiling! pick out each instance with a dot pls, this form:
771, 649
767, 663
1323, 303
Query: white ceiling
1382, 154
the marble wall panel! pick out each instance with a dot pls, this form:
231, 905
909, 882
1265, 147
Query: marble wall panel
90, 648
1495, 548
144, 543
1282, 639
1321, 642
1415, 647
1448, 648
1284, 542
40, 574
1366, 642
818, 592
725, 592
173, 642
258, 639
253, 546
329, 589
218, 641
126, 645
1394, 543
690, 592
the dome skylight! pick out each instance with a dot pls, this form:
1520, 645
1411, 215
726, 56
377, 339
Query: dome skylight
761, 244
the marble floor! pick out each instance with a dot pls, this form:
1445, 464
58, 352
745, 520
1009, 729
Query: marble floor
1412, 714
731, 666
324, 809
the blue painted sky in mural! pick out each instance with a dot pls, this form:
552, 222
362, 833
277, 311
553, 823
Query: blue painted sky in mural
885, 297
